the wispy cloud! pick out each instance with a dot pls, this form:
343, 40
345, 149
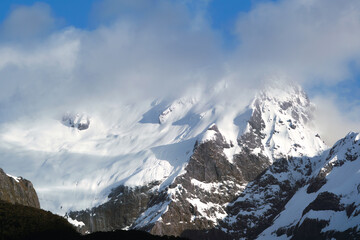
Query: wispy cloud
28, 22
159, 54
332, 122
150, 49
305, 39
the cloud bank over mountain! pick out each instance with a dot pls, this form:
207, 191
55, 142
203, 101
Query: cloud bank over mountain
155, 49
307, 40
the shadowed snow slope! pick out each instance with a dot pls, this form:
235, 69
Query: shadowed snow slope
328, 206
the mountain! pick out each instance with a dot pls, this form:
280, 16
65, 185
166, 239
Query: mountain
79, 121
328, 205
218, 170
198, 167
21, 217
17, 190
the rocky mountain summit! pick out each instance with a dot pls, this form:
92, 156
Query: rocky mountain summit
17, 190
76, 120
251, 189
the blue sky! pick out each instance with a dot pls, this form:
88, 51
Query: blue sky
78, 13
74, 13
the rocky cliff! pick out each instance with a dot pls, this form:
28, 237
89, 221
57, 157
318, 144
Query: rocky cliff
124, 206
17, 190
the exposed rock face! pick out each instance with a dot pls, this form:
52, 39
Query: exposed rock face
17, 190
262, 200
79, 121
120, 212
253, 137
198, 196
328, 204
325, 201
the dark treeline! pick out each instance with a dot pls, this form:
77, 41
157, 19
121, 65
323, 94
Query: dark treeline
18, 222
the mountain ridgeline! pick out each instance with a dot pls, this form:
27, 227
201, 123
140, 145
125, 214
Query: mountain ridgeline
277, 180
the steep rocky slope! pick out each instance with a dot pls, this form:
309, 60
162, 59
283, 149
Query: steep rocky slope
124, 206
198, 197
328, 205
17, 190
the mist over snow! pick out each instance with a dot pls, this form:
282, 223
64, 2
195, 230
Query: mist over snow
334, 122
125, 61
140, 51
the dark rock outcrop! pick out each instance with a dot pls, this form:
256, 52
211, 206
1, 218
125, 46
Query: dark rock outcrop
128, 235
325, 201
17, 190
252, 139
121, 211
210, 180
79, 121
262, 200
310, 229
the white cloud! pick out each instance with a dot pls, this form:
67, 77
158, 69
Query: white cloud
37, 77
26, 22
307, 40
158, 55
332, 122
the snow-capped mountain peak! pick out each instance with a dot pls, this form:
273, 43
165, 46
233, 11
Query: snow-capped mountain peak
176, 109
280, 125
76, 120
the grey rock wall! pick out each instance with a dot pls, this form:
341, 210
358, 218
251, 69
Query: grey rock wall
19, 191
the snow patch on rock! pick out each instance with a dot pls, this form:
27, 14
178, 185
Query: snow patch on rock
76, 120
75, 222
17, 179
